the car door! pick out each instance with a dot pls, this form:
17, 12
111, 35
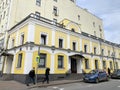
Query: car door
102, 75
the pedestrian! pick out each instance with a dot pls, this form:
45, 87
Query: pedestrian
47, 72
109, 73
31, 77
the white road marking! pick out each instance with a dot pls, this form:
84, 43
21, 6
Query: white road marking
57, 88
118, 86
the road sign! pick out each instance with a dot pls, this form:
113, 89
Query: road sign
38, 59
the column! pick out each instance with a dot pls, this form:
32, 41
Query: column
28, 62
31, 32
52, 67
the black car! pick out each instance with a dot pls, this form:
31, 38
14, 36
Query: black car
116, 74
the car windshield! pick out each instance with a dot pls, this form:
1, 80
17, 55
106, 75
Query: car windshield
93, 72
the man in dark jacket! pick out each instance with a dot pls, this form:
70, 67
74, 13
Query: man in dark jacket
47, 72
31, 77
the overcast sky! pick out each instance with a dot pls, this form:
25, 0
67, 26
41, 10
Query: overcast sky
109, 12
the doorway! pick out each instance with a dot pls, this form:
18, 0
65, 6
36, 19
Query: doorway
73, 65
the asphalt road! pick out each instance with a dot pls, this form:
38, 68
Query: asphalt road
113, 84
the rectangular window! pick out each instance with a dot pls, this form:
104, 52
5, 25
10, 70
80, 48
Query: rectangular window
94, 50
72, 0
55, 0
37, 15
55, 11
86, 64
102, 52
108, 52
43, 39
104, 64
22, 39
96, 64
60, 61
74, 46
13, 41
19, 60
78, 17
111, 66
42, 63
60, 43
54, 21
38, 2
85, 48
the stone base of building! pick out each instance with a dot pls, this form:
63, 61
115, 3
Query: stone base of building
22, 77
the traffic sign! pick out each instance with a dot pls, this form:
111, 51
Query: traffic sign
38, 59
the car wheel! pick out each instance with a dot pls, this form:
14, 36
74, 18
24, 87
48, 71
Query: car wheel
97, 80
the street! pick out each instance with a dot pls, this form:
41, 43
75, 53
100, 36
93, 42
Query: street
113, 84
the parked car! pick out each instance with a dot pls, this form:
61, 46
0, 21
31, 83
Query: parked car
95, 76
116, 74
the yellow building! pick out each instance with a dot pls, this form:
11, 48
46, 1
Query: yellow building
68, 38
62, 50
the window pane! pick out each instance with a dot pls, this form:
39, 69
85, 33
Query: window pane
19, 60
42, 60
60, 61
86, 64
43, 39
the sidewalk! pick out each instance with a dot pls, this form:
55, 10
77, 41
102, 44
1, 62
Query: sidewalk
14, 85
53, 83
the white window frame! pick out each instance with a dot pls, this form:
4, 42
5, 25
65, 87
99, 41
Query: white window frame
21, 38
46, 38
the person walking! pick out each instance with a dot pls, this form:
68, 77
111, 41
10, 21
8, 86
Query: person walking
109, 73
47, 72
31, 77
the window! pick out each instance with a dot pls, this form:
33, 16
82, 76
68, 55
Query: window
55, 11
94, 50
78, 17
19, 60
94, 33
38, 2
86, 64
85, 48
73, 30
60, 61
72, 0
55, 0
4, 14
93, 24
102, 52
60, 43
100, 28
108, 52
37, 14
43, 39
22, 39
74, 45
96, 64
111, 66
100, 35
13, 41
42, 63
104, 64
54, 21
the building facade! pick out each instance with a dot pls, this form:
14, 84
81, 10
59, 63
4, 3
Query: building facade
68, 39
62, 50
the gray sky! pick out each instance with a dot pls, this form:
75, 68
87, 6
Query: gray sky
109, 12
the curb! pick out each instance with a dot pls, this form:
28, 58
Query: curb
46, 85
